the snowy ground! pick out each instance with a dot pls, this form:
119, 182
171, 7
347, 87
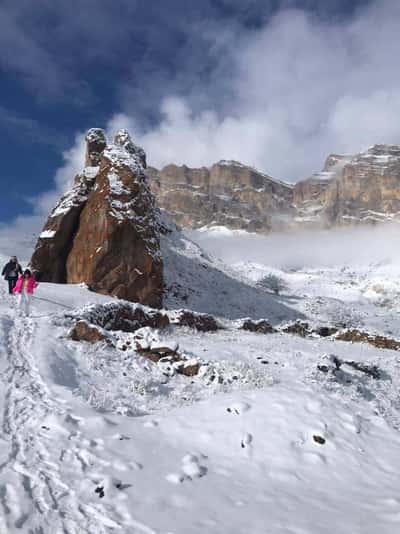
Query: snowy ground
96, 440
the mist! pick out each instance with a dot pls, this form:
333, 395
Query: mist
352, 247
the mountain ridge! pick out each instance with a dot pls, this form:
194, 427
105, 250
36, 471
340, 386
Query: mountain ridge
350, 189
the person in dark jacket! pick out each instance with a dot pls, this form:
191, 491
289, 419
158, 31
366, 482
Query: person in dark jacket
11, 272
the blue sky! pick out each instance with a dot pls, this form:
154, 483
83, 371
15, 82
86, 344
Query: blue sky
263, 81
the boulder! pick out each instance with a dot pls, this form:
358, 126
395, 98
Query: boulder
83, 331
122, 316
325, 331
189, 368
171, 361
262, 326
198, 321
299, 328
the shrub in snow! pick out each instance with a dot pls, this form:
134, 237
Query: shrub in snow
272, 282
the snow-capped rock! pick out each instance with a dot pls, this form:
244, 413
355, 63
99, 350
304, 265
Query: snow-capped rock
105, 231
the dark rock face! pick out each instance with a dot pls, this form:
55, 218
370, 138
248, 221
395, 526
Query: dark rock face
56, 240
105, 231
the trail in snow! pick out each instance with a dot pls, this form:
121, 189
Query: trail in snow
50, 505
301, 453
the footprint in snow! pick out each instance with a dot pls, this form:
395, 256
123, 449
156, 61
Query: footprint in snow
121, 437
191, 469
150, 424
238, 408
247, 440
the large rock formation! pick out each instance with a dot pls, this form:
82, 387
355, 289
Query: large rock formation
228, 194
367, 189
105, 230
364, 188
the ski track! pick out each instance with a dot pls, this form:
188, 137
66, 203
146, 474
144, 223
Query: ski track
32, 464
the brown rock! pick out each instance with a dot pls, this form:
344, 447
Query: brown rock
55, 241
199, 321
298, 328
105, 231
261, 326
96, 142
180, 363
357, 336
351, 189
189, 369
228, 193
124, 316
82, 331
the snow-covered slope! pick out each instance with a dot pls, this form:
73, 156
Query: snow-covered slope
99, 440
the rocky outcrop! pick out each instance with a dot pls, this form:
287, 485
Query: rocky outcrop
96, 142
121, 316
54, 244
105, 231
357, 336
262, 326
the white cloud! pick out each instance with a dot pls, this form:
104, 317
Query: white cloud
313, 249
301, 89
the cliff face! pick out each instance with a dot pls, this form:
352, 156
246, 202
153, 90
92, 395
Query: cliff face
105, 231
364, 188
367, 189
228, 194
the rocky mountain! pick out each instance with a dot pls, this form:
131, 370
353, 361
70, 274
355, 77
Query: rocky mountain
228, 194
105, 230
350, 189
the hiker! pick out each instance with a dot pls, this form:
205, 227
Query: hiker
11, 272
25, 287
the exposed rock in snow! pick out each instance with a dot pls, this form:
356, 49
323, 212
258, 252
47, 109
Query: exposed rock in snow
105, 231
96, 142
82, 331
261, 326
123, 139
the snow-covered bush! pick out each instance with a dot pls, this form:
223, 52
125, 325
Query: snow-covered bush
272, 282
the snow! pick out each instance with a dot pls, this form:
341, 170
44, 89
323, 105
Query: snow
119, 156
47, 234
97, 439
233, 163
116, 184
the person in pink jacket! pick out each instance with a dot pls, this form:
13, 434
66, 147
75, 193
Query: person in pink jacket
25, 286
